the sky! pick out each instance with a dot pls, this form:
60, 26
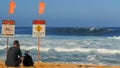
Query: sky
65, 13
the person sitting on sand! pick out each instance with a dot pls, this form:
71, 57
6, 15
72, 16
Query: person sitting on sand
28, 61
14, 55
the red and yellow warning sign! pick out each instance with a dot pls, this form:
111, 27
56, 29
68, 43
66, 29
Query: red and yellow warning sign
8, 28
39, 28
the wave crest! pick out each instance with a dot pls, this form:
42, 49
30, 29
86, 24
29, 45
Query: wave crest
58, 49
92, 31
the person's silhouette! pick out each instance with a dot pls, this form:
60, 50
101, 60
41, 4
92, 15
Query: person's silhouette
28, 61
14, 56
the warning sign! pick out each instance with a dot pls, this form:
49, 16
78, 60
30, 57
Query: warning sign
8, 28
39, 28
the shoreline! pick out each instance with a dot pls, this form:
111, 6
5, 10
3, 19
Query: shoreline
59, 65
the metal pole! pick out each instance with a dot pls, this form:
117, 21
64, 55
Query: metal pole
7, 46
38, 17
38, 50
38, 44
7, 39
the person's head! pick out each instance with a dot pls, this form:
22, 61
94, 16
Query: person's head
27, 52
16, 43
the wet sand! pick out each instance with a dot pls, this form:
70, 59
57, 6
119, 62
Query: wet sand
58, 65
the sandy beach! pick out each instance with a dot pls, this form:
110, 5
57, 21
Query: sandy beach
58, 65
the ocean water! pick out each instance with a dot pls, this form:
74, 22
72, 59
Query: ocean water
99, 46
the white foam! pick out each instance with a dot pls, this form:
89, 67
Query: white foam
34, 48
28, 47
65, 45
108, 51
115, 37
88, 50
2, 47
65, 49
92, 28
60, 49
72, 50
20, 35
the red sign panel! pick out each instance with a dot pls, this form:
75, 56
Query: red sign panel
10, 22
39, 22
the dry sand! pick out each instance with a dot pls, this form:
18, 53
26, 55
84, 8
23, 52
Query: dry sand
58, 65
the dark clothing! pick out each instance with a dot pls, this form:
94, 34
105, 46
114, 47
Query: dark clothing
13, 57
28, 61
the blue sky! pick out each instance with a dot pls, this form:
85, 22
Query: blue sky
65, 13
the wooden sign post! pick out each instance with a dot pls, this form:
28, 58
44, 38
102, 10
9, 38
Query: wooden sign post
8, 30
39, 27
38, 31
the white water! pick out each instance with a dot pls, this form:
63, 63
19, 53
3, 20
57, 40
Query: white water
104, 50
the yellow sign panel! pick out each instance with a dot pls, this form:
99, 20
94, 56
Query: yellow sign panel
39, 28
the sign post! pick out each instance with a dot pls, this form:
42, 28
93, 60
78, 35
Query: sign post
8, 25
38, 31
39, 27
8, 30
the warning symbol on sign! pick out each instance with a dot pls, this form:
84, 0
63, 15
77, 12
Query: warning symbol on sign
8, 28
39, 28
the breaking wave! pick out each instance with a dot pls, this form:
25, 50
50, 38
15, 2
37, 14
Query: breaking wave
92, 31
58, 49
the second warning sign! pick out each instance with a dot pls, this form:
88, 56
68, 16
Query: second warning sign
39, 28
